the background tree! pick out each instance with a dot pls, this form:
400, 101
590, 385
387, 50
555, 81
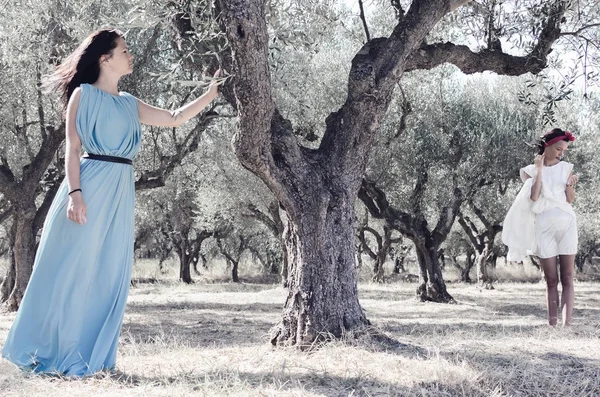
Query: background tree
459, 139
457, 245
383, 243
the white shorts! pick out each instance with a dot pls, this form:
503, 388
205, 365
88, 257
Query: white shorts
555, 234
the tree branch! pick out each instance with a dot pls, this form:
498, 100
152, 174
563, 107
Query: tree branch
376, 202
375, 70
7, 178
416, 198
469, 230
42, 211
430, 56
40, 104
488, 225
364, 20
260, 216
363, 240
34, 171
447, 216
363, 244
454, 4
578, 31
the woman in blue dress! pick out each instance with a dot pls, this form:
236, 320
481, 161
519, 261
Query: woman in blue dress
72, 310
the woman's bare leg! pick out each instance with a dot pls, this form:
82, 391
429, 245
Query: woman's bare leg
551, 276
567, 270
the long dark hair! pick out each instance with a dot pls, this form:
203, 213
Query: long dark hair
83, 65
540, 143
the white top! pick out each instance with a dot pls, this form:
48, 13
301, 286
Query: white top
518, 230
554, 182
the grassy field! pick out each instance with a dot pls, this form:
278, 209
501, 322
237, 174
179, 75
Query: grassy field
211, 339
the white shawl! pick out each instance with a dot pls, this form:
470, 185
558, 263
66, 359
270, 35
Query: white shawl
518, 230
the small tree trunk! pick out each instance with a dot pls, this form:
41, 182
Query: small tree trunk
9, 279
195, 265
465, 276
358, 255
465, 273
580, 261
273, 268
22, 258
482, 272
286, 236
378, 271
491, 262
273, 262
163, 256
399, 265
184, 270
234, 271
8, 283
431, 283
323, 295
184, 263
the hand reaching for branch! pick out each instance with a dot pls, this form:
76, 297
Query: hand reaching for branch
216, 82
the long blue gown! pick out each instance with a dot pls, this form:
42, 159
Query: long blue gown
72, 311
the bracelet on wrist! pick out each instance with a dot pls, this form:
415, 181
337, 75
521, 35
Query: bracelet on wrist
75, 190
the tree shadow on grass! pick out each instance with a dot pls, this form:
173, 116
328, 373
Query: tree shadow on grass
186, 306
139, 285
521, 309
539, 311
523, 373
458, 328
383, 295
201, 324
318, 383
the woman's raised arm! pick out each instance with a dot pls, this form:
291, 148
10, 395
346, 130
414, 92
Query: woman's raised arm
152, 115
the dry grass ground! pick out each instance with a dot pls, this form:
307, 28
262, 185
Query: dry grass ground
211, 339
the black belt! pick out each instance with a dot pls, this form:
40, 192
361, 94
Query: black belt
112, 159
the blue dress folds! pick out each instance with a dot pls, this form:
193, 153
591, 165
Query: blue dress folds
72, 311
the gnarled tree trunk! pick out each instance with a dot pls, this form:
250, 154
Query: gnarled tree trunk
432, 286
23, 253
323, 297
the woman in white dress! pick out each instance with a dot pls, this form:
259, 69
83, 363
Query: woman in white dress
551, 192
